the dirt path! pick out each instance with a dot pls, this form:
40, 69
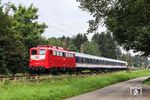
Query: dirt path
119, 91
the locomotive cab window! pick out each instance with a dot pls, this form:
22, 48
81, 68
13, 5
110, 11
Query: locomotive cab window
42, 52
33, 52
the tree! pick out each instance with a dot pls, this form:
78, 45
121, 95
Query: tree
128, 20
91, 48
79, 40
54, 41
19, 31
106, 44
12, 50
26, 24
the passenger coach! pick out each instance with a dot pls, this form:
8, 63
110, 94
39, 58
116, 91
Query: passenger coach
86, 61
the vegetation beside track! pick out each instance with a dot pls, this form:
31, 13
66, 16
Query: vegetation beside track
147, 81
60, 87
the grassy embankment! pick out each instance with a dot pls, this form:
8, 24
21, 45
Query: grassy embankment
62, 87
147, 81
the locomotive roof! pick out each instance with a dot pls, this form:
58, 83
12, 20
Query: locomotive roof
52, 48
97, 57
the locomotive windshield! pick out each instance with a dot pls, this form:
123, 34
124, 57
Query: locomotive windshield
42, 52
33, 52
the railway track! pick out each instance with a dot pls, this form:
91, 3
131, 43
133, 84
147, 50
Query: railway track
38, 77
23, 77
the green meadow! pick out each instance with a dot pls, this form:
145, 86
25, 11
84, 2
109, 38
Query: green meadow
61, 87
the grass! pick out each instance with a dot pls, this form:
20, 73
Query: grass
147, 81
62, 87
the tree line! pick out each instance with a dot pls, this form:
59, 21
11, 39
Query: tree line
20, 31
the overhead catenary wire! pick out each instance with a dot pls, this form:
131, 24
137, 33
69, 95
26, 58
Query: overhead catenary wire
59, 29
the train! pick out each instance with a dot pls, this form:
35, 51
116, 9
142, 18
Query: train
47, 58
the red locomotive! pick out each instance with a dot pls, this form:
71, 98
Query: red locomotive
51, 58
54, 59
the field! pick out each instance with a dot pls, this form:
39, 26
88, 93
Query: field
60, 87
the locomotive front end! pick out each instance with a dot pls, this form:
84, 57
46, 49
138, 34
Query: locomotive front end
37, 59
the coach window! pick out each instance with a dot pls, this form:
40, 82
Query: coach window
110, 63
92, 61
120, 63
77, 59
101, 61
104, 62
87, 60
83, 60
98, 61
107, 62
33, 52
114, 63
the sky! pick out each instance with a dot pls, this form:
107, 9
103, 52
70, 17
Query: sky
63, 17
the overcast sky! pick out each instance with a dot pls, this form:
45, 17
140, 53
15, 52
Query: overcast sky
63, 17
